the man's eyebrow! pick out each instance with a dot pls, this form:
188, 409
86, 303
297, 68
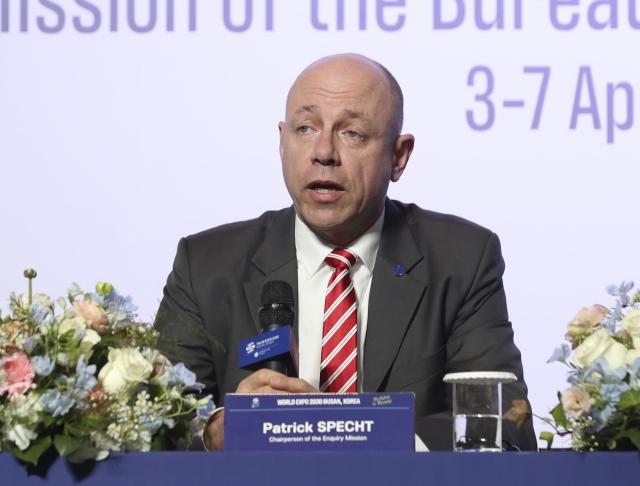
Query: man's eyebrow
346, 111
353, 114
306, 109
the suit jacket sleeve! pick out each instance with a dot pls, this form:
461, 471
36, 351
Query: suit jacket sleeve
182, 334
482, 338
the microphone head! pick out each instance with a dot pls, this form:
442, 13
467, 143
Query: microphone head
276, 304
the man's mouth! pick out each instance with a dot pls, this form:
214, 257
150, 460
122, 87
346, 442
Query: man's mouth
325, 187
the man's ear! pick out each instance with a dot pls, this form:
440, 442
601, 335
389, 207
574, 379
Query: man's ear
281, 131
402, 149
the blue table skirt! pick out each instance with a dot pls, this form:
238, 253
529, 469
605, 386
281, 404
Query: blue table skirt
320, 468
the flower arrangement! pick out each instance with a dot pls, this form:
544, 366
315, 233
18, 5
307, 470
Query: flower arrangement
601, 408
89, 379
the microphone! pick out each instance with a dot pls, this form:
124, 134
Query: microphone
276, 311
275, 347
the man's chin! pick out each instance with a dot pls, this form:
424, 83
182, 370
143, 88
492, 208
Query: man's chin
324, 223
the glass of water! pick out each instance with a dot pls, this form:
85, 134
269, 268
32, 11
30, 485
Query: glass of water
477, 410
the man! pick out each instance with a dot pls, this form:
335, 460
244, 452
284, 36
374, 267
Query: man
423, 290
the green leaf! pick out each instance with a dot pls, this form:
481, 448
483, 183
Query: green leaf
548, 438
629, 399
632, 434
158, 443
182, 430
558, 415
48, 419
35, 450
66, 444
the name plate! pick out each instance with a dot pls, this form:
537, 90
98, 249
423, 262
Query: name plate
319, 422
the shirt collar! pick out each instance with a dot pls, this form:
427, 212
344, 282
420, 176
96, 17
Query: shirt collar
312, 250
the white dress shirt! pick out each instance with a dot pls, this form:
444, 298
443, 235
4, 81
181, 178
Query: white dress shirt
313, 278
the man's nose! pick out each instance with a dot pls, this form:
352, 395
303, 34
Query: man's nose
325, 152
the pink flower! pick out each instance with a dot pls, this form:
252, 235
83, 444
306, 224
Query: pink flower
18, 375
586, 321
93, 313
576, 402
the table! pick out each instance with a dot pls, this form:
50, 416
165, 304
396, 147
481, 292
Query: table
309, 469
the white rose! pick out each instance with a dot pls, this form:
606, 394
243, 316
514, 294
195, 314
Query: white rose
632, 356
126, 367
42, 300
597, 345
90, 339
576, 402
72, 323
631, 324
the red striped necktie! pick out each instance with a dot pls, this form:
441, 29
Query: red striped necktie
338, 369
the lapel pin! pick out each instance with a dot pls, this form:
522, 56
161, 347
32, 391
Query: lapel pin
399, 271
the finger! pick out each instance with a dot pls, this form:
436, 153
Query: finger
263, 390
259, 379
290, 385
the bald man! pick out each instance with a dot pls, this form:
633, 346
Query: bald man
426, 288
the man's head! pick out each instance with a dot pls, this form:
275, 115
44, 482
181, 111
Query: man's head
341, 145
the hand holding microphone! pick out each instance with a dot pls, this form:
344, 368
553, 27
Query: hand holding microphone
276, 312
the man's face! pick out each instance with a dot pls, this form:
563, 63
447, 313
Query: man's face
337, 147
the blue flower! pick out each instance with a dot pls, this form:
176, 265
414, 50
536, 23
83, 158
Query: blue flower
179, 375
65, 381
621, 291
55, 403
560, 354
634, 368
585, 374
610, 323
41, 314
611, 392
203, 410
151, 425
83, 367
30, 343
98, 298
79, 334
121, 310
86, 379
634, 373
615, 376
42, 365
600, 417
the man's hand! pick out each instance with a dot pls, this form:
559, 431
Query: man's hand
267, 381
263, 381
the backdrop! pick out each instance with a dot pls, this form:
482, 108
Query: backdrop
127, 124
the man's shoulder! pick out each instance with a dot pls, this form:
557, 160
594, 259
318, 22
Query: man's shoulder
239, 229
238, 238
423, 221
451, 245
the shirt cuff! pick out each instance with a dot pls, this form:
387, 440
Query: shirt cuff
419, 445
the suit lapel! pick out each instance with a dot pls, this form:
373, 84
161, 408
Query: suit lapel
392, 299
276, 260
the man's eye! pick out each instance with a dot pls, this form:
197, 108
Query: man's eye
304, 129
352, 134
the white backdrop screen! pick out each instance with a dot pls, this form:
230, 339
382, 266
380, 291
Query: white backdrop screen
127, 124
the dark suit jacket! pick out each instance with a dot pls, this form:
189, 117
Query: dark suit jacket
447, 313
